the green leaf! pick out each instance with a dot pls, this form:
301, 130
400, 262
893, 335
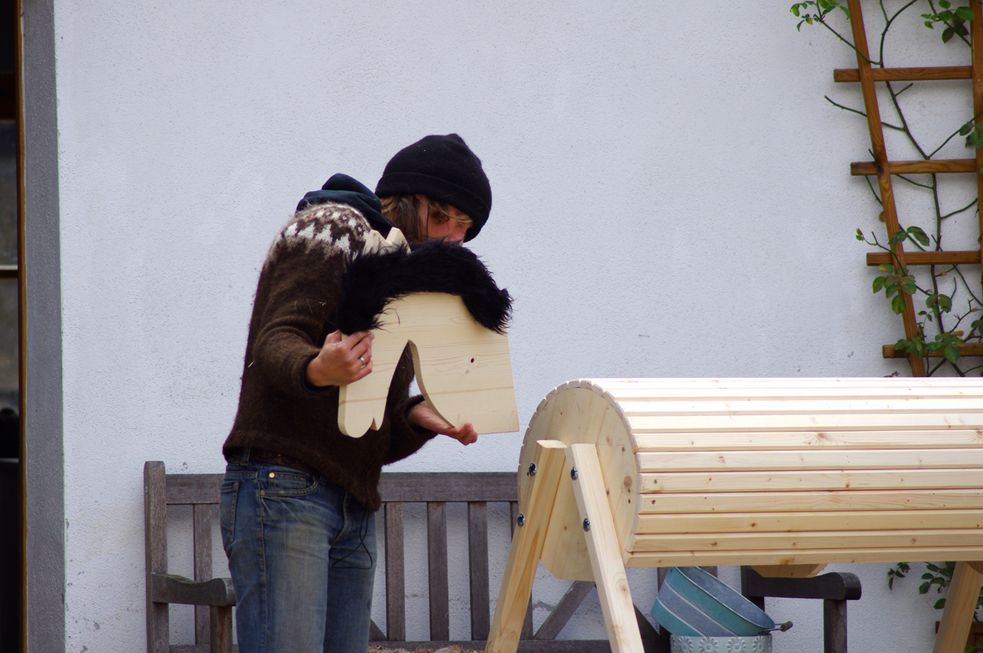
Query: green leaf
951, 354
919, 235
947, 34
878, 284
945, 303
938, 605
965, 129
897, 304
964, 13
923, 588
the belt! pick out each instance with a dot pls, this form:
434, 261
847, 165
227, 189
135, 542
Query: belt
267, 457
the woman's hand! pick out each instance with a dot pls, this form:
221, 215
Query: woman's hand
425, 417
342, 359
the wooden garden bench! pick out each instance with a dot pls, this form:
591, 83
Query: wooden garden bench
785, 475
214, 598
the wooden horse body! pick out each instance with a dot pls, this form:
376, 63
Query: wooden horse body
782, 474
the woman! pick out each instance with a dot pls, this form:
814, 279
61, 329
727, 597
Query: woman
299, 496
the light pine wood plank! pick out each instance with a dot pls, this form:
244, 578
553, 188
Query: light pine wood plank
811, 422
526, 549
817, 480
787, 522
789, 557
463, 369
811, 439
917, 539
896, 499
814, 405
617, 386
959, 607
604, 549
789, 571
811, 460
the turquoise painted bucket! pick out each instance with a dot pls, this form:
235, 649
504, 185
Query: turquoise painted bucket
695, 603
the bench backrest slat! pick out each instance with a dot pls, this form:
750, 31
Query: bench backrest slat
437, 560
204, 516
395, 573
478, 568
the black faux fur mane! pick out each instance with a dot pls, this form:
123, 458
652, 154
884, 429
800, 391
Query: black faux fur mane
371, 281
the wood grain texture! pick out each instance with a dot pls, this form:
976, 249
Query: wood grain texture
910, 74
526, 549
931, 166
603, 548
954, 257
437, 570
960, 604
463, 369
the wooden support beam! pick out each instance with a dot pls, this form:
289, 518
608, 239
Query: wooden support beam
526, 549
932, 166
916, 74
977, 38
959, 607
969, 349
890, 211
968, 257
604, 549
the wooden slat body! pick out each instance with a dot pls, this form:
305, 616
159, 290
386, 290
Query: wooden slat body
778, 471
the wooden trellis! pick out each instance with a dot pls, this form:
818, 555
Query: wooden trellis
883, 168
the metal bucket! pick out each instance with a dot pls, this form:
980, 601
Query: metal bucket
695, 603
686, 644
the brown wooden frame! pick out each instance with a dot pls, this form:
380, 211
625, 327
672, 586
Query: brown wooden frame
214, 598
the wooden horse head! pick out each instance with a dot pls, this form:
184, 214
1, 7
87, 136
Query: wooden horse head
463, 368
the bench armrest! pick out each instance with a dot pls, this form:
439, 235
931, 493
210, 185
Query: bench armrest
835, 586
168, 588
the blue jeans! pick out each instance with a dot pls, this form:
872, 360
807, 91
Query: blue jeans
302, 555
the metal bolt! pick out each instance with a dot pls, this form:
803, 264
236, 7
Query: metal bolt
532, 470
586, 524
520, 520
573, 473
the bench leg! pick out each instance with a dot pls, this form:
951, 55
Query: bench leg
834, 626
220, 636
959, 607
526, 550
604, 550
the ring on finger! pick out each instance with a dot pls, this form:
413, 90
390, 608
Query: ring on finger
361, 359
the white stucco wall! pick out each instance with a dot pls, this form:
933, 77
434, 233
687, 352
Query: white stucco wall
672, 199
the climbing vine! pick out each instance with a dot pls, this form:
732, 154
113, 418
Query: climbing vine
947, 303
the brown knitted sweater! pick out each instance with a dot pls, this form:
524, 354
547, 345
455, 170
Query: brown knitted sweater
295, 303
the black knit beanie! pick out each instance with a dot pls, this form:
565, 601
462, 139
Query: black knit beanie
444, 169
